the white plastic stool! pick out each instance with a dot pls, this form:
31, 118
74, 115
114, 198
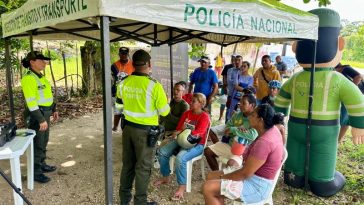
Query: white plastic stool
12, 151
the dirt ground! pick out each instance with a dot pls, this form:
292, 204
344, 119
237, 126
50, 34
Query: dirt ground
76, 148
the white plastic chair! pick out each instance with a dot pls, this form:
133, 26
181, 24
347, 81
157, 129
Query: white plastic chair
190, 164
269, 200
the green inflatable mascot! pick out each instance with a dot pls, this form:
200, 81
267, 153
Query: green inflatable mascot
330, 88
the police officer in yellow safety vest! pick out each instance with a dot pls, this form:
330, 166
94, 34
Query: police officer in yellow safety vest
39, 99
144, 100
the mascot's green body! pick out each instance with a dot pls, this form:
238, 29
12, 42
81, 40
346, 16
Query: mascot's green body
330, 89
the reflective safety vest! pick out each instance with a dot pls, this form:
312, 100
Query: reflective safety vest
144, 99
330, 89
37, 91
126, 68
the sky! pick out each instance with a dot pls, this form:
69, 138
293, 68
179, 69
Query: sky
352, 10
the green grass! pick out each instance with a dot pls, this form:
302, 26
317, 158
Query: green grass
58, 71
354, 64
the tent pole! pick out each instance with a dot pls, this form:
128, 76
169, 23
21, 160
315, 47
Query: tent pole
105, 56
309, 117
31, 41
171, 60
8, 78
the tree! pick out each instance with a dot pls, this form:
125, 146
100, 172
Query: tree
354, 45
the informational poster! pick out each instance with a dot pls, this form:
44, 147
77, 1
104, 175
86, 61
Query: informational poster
161, 69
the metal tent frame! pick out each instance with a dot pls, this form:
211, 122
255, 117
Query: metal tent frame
111, 29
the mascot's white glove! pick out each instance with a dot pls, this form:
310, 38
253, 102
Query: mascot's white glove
358, 135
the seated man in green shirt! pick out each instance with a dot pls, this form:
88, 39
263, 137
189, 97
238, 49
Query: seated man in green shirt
178, 107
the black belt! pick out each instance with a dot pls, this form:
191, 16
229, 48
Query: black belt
314, 122
136, 125
46, 108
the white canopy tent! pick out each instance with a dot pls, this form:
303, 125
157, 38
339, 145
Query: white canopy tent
150, 21
155, 22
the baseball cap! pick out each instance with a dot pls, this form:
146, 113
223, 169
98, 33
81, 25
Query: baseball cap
123, 50
205, 59
36, 55
141, 57
249, 89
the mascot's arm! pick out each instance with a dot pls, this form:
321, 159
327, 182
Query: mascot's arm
353, 100
358, 135
283, 100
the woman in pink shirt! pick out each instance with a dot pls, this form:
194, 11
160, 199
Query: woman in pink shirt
254, 181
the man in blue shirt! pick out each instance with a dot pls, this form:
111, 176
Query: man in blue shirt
204, 80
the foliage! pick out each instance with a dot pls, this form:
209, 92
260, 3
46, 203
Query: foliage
320, 2
354, 64
354, 45
196, 50
16, 44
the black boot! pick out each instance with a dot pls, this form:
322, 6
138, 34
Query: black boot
48, 168
330, 188
294, 180
41, 178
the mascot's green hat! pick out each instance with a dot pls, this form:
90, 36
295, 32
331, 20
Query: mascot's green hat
328, 17
327, 44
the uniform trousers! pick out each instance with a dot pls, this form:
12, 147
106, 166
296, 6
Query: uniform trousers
137, 161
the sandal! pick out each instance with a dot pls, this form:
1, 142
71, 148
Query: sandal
177, 198
159, 182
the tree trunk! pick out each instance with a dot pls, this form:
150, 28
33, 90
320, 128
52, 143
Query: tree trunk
91, 69
86, 62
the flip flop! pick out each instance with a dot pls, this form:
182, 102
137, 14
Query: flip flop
177, 198
158, 183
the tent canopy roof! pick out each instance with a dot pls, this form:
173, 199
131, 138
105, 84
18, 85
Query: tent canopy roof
157, 22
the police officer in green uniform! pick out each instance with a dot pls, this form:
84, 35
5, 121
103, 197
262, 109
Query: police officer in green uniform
144, 100
39, 99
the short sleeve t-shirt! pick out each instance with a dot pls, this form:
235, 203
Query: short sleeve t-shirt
204, 81
198, 123
226, 68
268, 147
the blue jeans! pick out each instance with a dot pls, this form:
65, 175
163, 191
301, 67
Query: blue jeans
183, 156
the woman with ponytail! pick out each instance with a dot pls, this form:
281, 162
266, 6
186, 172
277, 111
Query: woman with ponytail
262, 159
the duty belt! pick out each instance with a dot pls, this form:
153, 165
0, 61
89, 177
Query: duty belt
45, 108
314, 122
139, 126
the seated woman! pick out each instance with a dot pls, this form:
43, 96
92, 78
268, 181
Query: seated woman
198, 121
237, 126
254, 181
